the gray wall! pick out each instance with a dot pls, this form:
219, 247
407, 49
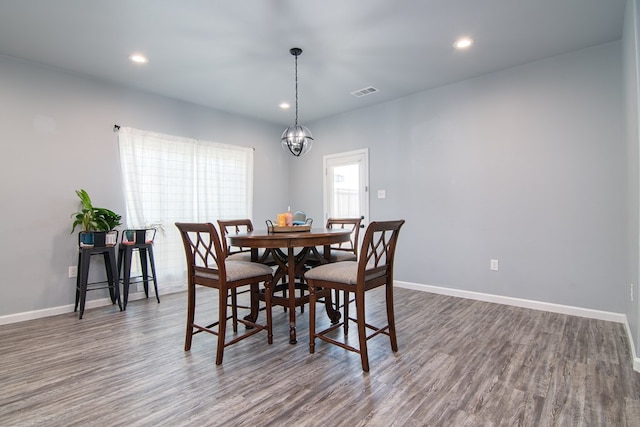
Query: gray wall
526, 165
57, 136
630, 65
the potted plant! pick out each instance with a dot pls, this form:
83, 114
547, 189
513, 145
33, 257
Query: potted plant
144, 233
95, 222
85, 218
107, 221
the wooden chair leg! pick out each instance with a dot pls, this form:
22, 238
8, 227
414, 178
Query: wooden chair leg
234, 310
223, 295
191, 307
391, 317
312, 319
346, 312
284, 291
362, 333
267, 300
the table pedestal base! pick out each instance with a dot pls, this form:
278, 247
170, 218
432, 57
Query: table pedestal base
291, 266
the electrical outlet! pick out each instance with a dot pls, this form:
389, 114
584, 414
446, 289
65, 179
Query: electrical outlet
493, 265
73, 271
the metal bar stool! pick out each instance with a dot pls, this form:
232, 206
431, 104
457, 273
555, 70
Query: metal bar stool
140, 240
82, 280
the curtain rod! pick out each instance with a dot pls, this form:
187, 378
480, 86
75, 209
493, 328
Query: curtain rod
116, 128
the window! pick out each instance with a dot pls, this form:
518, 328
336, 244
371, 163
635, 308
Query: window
170, 179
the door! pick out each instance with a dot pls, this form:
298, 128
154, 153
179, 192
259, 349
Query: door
346, 185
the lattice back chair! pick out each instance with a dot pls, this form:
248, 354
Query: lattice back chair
234, 253
207, 266
346, 251
373, 269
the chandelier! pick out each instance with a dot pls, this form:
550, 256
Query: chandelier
297, 139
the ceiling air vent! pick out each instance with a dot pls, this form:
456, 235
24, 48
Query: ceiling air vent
365, 91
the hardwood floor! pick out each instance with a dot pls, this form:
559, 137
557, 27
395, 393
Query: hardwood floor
460, 363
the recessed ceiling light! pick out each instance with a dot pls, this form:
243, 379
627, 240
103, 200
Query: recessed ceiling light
284, 105
463, 43
138, 58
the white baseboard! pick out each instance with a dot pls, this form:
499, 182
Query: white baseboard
534, 305
64, 309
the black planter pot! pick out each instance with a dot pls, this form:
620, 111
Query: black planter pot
99, 239
141, 236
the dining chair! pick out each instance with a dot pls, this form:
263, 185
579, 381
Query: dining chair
235, 253
346, 251
236, 226
373, 269
207, 266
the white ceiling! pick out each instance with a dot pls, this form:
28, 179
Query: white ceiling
233, 55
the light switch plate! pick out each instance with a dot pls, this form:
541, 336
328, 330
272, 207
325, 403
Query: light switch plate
381, 194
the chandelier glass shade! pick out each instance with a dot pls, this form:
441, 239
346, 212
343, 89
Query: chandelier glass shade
297, 139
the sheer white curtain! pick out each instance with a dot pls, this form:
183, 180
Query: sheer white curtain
170, 179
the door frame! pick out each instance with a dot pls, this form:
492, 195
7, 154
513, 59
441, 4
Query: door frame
364, 153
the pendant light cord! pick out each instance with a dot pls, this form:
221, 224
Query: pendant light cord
296, 139
296, 124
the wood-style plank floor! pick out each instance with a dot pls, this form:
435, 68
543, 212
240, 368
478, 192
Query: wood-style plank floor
460, 363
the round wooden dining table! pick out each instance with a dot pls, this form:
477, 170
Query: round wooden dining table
291, 264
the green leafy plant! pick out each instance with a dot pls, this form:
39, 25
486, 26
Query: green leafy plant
106, 219
91, 218
85, 217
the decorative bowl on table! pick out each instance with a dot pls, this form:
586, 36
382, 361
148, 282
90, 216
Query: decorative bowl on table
275, 228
